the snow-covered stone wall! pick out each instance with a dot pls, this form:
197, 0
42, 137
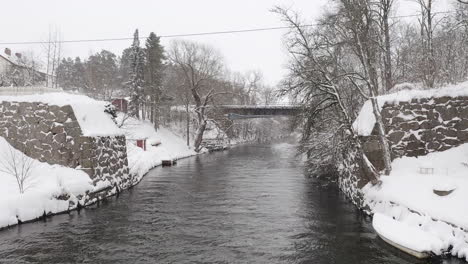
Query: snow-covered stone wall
52, 134
351, 175
421, 126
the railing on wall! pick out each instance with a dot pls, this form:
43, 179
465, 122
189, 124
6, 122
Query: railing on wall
27, 90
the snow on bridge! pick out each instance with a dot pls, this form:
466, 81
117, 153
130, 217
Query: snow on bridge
258, 111
247, 111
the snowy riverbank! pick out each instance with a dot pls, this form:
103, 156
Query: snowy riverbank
407, 195
32, 189
49, 189
53, 189
160, 145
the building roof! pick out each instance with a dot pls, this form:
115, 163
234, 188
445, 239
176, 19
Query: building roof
13, 59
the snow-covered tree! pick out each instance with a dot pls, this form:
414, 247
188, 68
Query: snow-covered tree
136, 82
154, 66
201, 67
101, 73
332, 69
65, 74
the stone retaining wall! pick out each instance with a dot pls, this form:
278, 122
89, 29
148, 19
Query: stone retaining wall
51, 134
351, 174
421, 126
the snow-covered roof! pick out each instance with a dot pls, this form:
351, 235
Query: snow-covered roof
89, 112
13, 59
364, 123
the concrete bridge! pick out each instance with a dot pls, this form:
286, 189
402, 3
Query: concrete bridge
257, 111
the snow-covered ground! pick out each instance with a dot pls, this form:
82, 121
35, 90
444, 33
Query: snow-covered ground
160, 145
43, 185
51, 189
46, 183
407, 195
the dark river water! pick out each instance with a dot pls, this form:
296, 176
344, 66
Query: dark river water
251, 204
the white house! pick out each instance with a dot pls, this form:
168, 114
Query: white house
15, 71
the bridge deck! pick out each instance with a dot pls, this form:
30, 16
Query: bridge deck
255, 111
272, 107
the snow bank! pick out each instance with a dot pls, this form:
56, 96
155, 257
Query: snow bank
407, 236
89, 112
407, 186
444, 237
160, 145
45, 184
407, 191
365, 121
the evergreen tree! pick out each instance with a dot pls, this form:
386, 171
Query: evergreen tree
154, 74
124, 68
136, 81
78, 74
101, 73
65, 74
71, 74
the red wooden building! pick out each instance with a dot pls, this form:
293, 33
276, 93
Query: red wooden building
121, 104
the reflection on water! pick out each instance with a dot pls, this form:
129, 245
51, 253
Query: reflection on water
250, 204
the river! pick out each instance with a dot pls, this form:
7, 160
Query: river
251, 204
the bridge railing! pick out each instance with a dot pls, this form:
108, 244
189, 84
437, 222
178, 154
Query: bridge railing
261, 106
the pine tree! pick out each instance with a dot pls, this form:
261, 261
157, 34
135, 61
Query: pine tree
124, 68
65, 74
78, 74
136, 82
154, 71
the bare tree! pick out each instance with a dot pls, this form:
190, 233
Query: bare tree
253, 83
16, 164
53, 50
268, 95
201, 65
427, 32
332, 69
361, 30
175, 83
385, 8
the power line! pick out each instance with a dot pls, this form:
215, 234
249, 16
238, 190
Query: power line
162, 36
191, 34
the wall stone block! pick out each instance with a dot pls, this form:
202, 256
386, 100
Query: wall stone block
50, 133
421, 126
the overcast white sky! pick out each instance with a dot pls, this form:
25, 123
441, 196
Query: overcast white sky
30, 20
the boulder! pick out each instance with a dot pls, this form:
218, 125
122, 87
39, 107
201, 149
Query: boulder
452, 141
396, 136
447, 113
462, 136
462, 124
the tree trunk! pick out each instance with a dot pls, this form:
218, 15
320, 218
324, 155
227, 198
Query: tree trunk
388, 57
151, 117
382, 137
199, 136
187, 124
157, 111
137, 109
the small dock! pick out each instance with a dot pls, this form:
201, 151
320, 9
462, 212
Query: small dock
169, 162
